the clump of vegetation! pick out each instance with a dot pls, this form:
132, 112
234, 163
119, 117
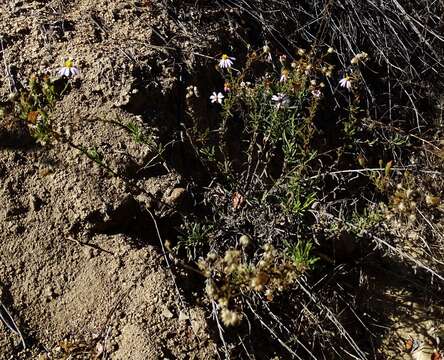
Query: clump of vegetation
232, 277
297, 165
30, 107
32, 104
35, 104
267, 155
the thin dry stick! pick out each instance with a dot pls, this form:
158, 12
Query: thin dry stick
334, 321
411, 21
380, 241
278, 321
165, 256
82, 243
366, 170
430, 224
272, 333
9, 322
220, 329
402, 254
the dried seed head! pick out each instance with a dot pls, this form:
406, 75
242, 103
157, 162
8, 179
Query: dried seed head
268, 247
245, 241
432, 200
231, 256
211, 289
402, 207
230, 318
223, 302
258, 282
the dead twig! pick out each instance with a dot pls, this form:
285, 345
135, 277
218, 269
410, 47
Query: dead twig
82, 243
8, 320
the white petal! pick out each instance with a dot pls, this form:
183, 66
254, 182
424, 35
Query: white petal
344, 82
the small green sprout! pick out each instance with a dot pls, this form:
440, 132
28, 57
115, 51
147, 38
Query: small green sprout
301, 255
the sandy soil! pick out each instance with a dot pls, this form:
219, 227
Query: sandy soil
67, 269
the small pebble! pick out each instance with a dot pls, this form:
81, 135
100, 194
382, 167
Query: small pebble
167, 313
183, 316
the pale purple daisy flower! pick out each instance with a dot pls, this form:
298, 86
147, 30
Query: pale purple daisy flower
267, 51
281, 100
226, 61
345, 82
68, 69
217, 97
316, 93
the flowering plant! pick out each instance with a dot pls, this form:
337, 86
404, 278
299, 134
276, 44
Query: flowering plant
68, 69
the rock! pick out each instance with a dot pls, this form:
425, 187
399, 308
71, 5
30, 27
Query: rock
176, 197
183, 316
167, 313
145, 200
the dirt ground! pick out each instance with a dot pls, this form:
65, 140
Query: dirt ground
67, 273
72, 276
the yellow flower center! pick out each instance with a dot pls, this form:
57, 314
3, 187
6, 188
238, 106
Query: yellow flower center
69, 63
224, 57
